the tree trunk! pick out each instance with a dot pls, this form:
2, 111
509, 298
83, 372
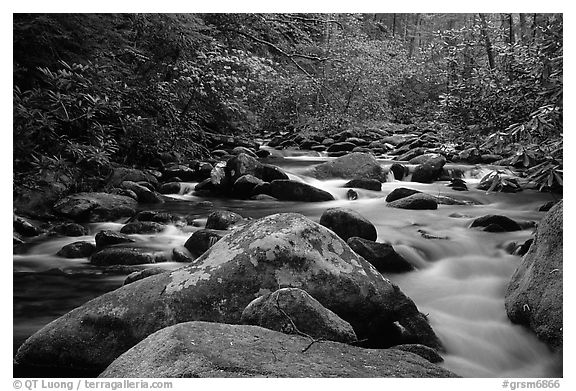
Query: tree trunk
511, 39
393, 25
487, 42
414, 37
522, 18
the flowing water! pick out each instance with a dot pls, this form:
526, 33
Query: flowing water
459, 282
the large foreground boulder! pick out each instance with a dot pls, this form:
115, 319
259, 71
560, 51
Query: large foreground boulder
294, 311
202, 349
353, 165
278, 251
94, 207
534, 294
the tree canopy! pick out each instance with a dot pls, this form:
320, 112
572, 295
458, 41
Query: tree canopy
91, 89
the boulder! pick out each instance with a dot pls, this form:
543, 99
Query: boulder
411, 154
270, 173
202, 240
182, 255
24, 227
108, 238
496, 223
142, 227
122, 256
294, 311
95, 207
135, 276
534, 294
222, 219
263, 153
364, 183
353, 165
347, 223
155, 216
394, 139
399, 171
240, 165
417, 201
185, 173
426, 158
123, 192
278, 251
357, 141
430, 170
204, 350
381, 255
421, 350
289, 190
401, 192
69, 229
144, 194
169, 188
341, 147
80, 249
121, 174
244, 186
547, 206
240, 149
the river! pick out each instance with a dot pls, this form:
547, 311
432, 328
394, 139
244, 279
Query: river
459, 282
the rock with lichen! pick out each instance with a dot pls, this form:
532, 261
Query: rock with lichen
281, 250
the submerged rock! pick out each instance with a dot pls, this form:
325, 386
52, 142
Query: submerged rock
203, 349
282, 250
80, 249
122, 256
289, 307
353, 165
534, 294
418, 201
347, 223
496, 223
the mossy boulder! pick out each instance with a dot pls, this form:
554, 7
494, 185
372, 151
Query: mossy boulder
203, 349
534, 294
282, 250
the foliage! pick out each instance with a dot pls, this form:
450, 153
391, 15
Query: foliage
499, 180
91, 90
